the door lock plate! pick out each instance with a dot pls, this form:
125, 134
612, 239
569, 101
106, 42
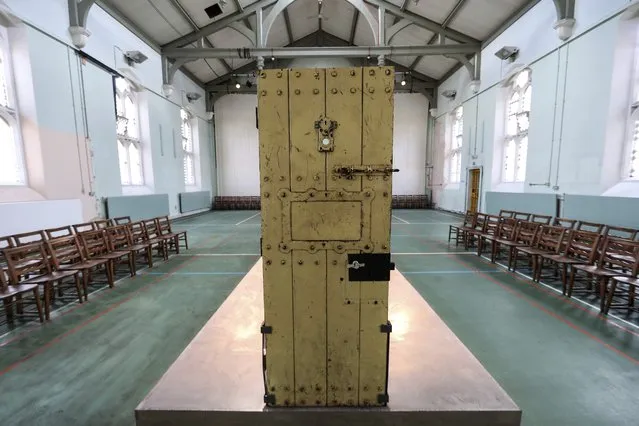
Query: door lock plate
325, 139
369, 267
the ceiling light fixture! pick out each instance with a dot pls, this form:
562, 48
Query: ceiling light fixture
403, 83
237, 85
272, 58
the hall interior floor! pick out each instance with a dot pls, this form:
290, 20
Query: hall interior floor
92, 364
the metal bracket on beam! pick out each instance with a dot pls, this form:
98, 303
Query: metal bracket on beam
78, 14
473, 68
565, 23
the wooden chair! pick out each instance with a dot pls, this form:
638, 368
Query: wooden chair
96, 246
164, 228
140, 242
156, 238
120, 244
565, 223
122, 220
540, 218
63, 231
103, 223
477, 228
28, 238
505, 230
457, 231
547, 240
620, 232
581, 249
523, 235
491, 225
84, 227
12, 294
615, 259
625, 284
522, 216
67, 255
590, 226
38, 270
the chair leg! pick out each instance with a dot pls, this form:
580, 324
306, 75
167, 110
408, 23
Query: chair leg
36, 294
47, 300
78, 286
571, 282
85, 283
186, 242
613, 287
132, 268
603, 286
149, 256
176, 241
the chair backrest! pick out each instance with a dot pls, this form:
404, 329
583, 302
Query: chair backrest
521, 216
507, 213
550, 238
122, 220
94, 243
138, 233
64, 250
507, 229
63, 231
103, 223
164, 224
620, 254
566, 223
541, 218
5, 243
28, 238
469, 219
590, 226
118, 237
151, 228
27, 260
583, 245
491, 223
527, 232
620, 232
84, 227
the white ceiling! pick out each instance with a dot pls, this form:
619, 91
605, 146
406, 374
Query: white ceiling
164, 21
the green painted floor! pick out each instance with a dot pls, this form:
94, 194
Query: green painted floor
93, 363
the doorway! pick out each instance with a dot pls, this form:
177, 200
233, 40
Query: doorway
474, 179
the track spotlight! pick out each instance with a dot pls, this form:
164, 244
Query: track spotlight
403, 83
237, 85
272, 58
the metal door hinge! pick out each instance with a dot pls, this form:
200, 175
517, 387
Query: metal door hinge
382, 398
369, 267
266, 329
269, 399
386, 328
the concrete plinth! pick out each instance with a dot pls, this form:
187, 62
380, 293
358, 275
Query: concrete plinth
433, 378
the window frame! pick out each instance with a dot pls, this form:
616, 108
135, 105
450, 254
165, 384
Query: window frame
188, 155
454, 153
9, 113
631, 140
124, 139
520, 135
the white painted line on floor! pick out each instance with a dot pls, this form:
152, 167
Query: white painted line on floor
593, 307
217, 254
404, 221
426, 223
432, 253
247, 219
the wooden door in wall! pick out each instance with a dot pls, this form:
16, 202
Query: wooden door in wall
474, 178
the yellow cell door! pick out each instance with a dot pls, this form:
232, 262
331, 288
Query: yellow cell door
474, 176
325, 181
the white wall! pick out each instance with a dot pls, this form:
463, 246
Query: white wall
238, 152
67, 113
578, 113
